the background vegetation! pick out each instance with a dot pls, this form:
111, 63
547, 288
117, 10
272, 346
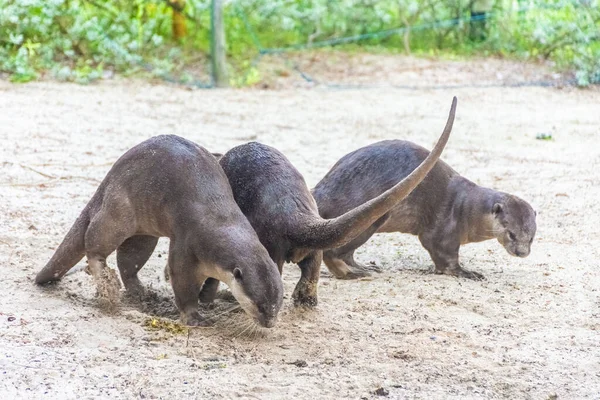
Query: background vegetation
83, 40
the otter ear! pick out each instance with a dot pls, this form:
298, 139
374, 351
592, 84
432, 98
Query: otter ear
237, 274
217, 155
497, 209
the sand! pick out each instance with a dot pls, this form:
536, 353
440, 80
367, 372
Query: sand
530, 331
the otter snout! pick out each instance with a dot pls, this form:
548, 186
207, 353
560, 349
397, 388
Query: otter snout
521, 251
267, 315
267, 322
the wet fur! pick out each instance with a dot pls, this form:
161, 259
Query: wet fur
445, 211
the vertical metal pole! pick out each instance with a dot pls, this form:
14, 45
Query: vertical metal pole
217, 44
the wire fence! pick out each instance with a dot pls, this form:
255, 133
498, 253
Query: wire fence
284, 52
433, 25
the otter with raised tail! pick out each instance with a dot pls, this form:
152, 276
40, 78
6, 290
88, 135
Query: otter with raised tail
170, 187
276, 200
445, 211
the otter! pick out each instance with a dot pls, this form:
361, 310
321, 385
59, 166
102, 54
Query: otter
445, 211
168, 186
276, 200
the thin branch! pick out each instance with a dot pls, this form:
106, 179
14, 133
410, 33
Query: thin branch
38, 172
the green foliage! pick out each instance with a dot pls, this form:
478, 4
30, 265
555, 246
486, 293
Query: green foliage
565, 31
75, 39
81, 40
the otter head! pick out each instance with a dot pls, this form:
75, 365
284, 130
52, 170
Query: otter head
514, 223
256, 284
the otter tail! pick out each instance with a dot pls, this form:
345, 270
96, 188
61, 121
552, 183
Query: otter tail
69, 253
332, 233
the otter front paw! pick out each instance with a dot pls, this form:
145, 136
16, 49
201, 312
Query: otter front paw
354, 274
305, 294
476, 276
371, 266
195, 319
305, 301
134, 289
357, 271
460, 272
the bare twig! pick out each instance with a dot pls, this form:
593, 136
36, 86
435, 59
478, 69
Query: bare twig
29, 184
51, 181
53, 178
38, 172
73, 165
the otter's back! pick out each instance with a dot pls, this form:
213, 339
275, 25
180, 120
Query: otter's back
369, 171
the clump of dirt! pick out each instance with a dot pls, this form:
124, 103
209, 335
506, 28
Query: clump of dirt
151, 302
108, 290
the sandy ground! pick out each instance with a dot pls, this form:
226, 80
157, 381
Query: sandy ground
530, 331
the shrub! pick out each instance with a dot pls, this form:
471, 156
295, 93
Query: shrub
79, 39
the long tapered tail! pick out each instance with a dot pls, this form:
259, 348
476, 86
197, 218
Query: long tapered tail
321, 233
69, 253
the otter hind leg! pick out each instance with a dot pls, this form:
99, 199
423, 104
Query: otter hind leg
341, 262
106, 232
305, 293
132, 255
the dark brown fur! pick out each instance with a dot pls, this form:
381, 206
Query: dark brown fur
274, 197
169, 186
445, 211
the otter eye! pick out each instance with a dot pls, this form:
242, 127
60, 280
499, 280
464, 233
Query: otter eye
512, 236
237, 274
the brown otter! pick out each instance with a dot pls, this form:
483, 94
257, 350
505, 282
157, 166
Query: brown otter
169, 186
445, 210
276, 200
